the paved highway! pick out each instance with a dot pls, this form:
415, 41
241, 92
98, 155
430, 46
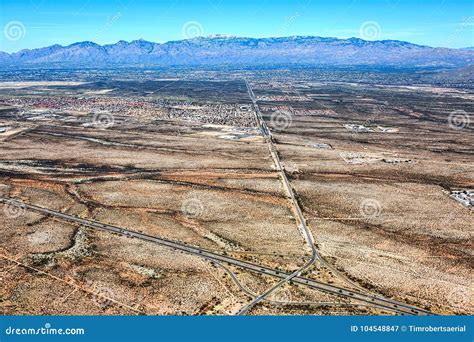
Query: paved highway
306, 232
307, 235
372, 300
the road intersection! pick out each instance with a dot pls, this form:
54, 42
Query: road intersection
364, 298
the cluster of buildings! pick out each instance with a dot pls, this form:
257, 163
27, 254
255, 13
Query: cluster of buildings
217, 114
48, 107
358, 128
81, 104
282, 98
466, 197
4, 129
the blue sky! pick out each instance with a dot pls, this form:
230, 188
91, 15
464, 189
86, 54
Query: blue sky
38, 23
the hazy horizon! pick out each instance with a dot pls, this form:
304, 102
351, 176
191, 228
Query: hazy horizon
31, 24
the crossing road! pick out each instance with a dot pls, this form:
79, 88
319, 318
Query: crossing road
370, 300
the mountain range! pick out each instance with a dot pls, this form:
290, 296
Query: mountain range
218, 50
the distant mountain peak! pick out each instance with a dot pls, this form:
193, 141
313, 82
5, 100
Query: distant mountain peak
220, 36
86, 43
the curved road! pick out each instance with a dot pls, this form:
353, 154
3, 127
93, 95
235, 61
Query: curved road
372, 300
